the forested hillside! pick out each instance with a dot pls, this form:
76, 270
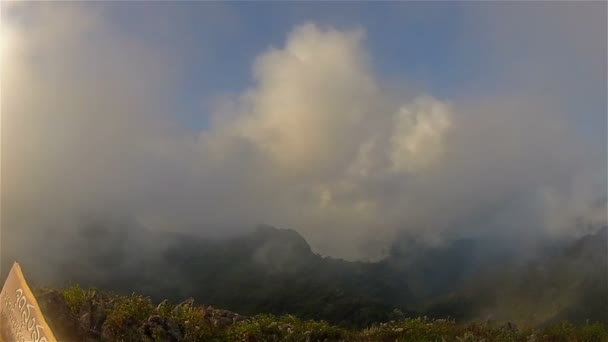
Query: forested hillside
274, 271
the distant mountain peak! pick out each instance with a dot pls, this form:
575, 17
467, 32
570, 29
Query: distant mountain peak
288, 237
279, 249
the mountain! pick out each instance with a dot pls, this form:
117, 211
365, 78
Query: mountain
570, 283
274, 271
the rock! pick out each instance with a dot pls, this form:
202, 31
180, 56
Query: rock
160, 327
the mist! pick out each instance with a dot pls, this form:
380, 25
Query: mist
318, 141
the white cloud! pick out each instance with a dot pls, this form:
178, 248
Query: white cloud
418, 135
316, 144
319, 119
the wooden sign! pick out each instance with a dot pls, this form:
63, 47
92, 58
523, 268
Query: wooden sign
20, 317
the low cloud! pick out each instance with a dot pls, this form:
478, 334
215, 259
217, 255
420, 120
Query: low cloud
318, 143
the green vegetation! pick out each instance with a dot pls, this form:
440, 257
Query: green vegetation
126, 315
76, 314
76, 298
274, 271
284, 328
288, 293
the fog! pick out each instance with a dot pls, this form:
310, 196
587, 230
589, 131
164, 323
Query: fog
318, 142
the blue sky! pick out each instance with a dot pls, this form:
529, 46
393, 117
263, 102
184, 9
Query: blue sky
449, 49
427, 44
444, 48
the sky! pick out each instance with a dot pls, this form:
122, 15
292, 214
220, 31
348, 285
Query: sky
348, 122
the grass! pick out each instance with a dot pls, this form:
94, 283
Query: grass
136, 318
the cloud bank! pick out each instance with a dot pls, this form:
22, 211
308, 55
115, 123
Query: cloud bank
318, 143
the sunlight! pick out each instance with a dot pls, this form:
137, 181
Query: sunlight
6, 40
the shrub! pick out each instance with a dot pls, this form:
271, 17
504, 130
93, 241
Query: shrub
124, 320
76, 298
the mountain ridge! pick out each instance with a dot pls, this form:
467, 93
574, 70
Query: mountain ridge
272, 270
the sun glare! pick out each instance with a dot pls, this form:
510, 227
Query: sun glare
6, 38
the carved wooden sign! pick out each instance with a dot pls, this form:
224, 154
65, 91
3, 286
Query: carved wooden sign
20, 317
